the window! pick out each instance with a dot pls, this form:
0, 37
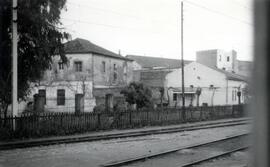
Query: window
191, 86
175, 97
124, 67
78, 66
61, 65
233, 95
228, 58
103, 66
60, 97
219, 57
114, 77
114, 67
42, 93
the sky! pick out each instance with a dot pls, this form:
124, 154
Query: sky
153, 27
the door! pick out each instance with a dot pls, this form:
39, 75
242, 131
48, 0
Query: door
79, 103
109, 102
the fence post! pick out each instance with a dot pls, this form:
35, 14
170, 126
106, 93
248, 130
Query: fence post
232, 111
147, 116
130, 118
99, 121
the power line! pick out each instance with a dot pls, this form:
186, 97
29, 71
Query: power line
218, 12
236, 2
120, 14
109, 25
103, 10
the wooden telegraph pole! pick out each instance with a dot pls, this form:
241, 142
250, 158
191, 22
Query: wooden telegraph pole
14, 61
182, 62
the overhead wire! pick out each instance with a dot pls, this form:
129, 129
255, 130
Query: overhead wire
218, 12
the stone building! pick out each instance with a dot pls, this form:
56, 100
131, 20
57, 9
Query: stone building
91, 76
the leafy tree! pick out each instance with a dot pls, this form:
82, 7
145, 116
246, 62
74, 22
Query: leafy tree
137, 93
39, 39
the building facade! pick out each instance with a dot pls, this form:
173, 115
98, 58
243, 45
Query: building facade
204, 85
91, 76
219, 59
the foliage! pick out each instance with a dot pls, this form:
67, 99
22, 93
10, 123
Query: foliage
99, 108
39, 38
137, 93
247, 93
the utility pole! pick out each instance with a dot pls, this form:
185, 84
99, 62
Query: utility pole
14, 61
182, 61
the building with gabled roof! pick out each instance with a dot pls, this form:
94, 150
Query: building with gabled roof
91, 76
79, 45
217, 87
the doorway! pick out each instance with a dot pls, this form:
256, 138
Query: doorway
79, 103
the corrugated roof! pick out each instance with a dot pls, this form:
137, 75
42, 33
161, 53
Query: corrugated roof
79, 45
150, 62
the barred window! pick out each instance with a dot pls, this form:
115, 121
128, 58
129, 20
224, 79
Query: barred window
60, 97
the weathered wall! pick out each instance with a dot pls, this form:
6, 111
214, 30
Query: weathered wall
71, 89
123, 71
69, 73
207, 57
153, 78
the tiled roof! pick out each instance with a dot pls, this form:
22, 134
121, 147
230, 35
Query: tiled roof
79, 45
230, 75
150, 62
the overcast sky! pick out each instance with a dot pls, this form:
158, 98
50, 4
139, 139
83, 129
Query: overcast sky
152, 27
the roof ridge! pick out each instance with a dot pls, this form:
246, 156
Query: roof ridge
80, 45
156, 57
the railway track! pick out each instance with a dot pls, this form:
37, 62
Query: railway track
88, 138
189, 155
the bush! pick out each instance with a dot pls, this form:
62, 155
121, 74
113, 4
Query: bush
99, 108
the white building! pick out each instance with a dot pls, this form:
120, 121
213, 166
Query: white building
218, 87
218, 58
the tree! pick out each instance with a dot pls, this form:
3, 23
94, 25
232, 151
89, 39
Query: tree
247, 93
137, 93
39, 39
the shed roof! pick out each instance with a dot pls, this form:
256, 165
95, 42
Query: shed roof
79, 45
